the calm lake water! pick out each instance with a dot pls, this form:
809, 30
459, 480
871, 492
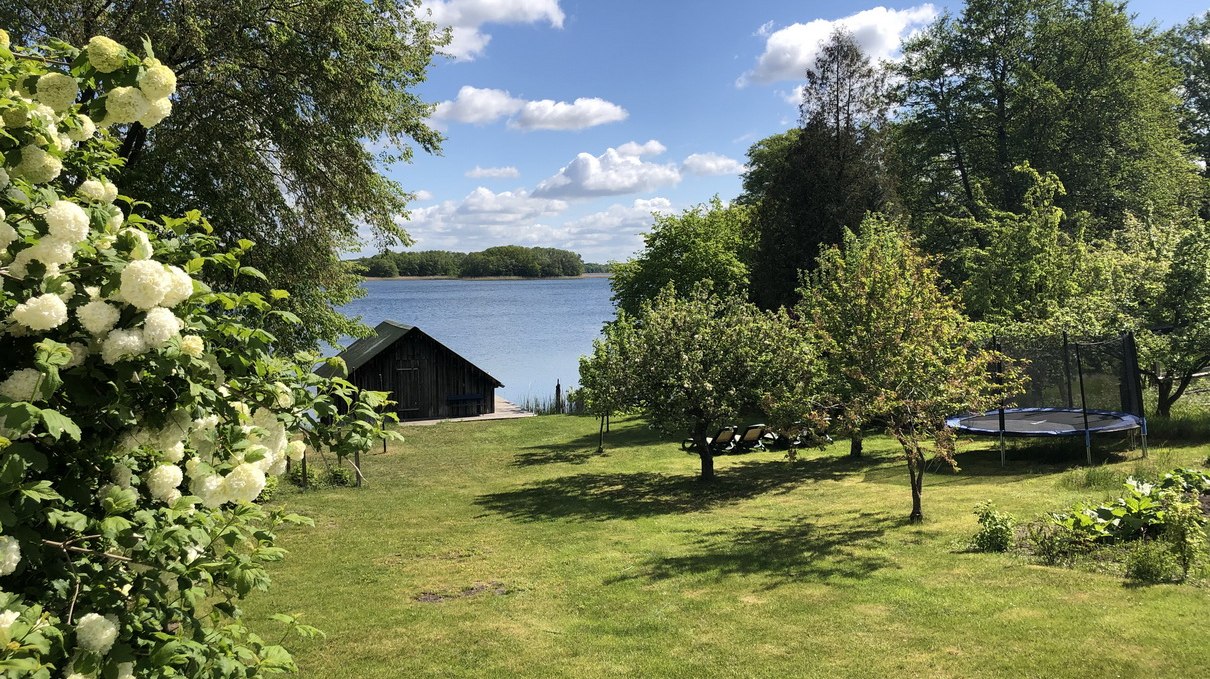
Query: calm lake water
525, 333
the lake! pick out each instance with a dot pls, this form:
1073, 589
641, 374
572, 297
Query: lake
525, 333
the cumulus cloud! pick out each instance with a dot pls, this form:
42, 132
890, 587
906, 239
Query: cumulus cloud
712, 164
466, 18
422, 195
615, 172
548, 114
791, 50
509, 172
480, 106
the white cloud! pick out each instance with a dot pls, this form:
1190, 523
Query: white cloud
791, 50
485, 105
548, 114
422, 195
650, 147
478, 105
466, 19
509, 172
710, 164
615, 172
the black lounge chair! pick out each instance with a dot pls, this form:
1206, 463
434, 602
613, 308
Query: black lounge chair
719, 443
753, 438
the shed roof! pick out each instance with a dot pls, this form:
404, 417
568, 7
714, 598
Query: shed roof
385, 334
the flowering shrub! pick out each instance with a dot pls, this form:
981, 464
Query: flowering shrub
139, 418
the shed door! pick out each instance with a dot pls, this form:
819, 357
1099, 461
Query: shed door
407, 388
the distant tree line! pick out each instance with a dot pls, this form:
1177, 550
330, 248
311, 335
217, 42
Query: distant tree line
504, 260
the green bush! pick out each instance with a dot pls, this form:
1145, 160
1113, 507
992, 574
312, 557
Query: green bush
1054, 544
1152, 561
995, 530
339, 476
314, 478
1185, 529
270, 491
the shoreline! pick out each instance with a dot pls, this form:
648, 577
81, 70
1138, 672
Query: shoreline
487, 278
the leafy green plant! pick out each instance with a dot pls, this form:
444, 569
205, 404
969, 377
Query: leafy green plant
995, 529
313, 479
339, 476
1152, 561
1185, 529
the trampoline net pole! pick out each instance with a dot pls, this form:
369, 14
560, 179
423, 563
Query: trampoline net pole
1084, 406
1134, 384
1067, 368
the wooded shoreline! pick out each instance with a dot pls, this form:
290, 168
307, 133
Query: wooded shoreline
485, 278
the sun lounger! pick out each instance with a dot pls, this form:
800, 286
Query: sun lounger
719, 443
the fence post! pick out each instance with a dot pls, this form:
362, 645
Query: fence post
558, 397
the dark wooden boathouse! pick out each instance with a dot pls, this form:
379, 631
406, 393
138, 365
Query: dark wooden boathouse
427, 379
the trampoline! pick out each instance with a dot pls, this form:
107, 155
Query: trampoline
1072, 389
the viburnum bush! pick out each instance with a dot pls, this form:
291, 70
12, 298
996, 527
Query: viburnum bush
141, 407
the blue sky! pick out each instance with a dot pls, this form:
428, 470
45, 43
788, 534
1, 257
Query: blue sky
568, 122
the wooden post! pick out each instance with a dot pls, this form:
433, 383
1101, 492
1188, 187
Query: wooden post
304, 470
357, 464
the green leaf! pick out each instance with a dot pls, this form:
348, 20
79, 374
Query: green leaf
58, 424
40, 491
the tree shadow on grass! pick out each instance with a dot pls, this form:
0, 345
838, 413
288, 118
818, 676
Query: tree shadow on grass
599, 497
584, 448
792, 551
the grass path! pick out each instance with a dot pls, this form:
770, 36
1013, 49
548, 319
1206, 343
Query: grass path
510, 549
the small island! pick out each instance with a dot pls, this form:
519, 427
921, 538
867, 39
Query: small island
504, 261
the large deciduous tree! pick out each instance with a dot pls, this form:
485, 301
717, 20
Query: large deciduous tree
894, 349
1070, 86
824, 177
711, 242
279, 108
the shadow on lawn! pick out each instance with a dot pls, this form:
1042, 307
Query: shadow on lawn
788, 552
598, 497
584, 448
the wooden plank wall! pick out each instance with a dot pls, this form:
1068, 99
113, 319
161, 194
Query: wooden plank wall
442, 374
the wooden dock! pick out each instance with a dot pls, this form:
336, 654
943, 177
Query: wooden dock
505, 410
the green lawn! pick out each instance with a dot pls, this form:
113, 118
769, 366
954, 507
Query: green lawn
509, 548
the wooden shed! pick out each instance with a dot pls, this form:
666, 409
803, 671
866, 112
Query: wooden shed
427, 379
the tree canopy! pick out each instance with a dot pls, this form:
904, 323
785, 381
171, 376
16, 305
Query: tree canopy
286, 112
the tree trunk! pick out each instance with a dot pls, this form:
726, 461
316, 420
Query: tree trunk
1163, 401
601, 436
707, 465
855, 444
916, 473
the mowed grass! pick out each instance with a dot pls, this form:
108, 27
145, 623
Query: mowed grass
510, 548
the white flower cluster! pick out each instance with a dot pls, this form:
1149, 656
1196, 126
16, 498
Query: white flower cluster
57, 90
10, 554
7, 618
162, 483
41, 313
105, 55
96, 633
22, 385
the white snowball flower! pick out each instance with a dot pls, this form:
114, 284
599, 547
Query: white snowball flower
295, 450
285, 397
52, 251
192, 345
79, 352
122, 344
85, 131
156, 112
3, 178
98, 317
182, 287
174, 453
126, 669
105, 55
58, 91
92, 190
160, 327
244, 483
145, 282
274, 437
111, 191
211, 489
7, 618
7, 235
121, 475
10, 554
22, 385
41, 313
95, 633
68, 221
158, 81
125, 105
38, 166
164, 479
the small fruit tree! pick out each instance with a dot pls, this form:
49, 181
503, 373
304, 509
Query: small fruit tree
141, 407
